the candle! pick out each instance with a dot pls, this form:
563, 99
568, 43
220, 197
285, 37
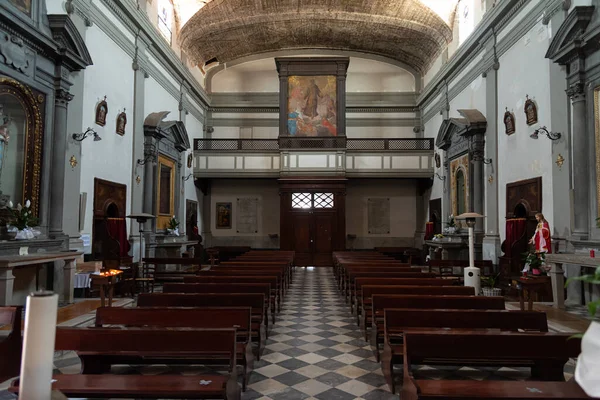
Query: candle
37, 361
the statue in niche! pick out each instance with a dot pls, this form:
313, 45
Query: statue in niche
4, 138
509, 122
530, 111
101, 111
541, 238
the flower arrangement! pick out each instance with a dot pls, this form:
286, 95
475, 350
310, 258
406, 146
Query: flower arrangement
451, 222
23, 216
173, 226
438, 236
535, 262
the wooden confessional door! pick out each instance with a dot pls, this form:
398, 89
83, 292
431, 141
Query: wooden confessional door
313, 221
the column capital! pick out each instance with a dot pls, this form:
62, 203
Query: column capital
62, 97
576, 91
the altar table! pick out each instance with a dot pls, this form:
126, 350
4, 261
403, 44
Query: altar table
556, 262
9, 263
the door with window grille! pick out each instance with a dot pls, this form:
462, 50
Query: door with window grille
313, 222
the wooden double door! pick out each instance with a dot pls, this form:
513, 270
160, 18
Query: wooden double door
313, 220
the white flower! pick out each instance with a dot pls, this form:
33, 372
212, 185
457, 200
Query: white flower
19, 207
173, 217
27, 204
10, 204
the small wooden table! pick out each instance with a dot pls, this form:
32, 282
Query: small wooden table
530, 287
107, 282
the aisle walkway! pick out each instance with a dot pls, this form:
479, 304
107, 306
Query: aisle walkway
315, 350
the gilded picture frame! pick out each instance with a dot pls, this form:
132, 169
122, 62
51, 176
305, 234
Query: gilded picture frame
223, 215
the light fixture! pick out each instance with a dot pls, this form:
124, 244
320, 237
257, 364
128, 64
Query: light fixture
544, 131
441, 178
89, 132
187, 178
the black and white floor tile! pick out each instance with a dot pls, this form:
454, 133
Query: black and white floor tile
315, 351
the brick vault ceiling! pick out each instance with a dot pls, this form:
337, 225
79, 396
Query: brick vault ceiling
405, 30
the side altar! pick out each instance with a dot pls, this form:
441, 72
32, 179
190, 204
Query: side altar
452, 247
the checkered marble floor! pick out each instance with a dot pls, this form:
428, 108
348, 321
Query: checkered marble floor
314, 351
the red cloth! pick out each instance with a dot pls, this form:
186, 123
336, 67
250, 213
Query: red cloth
429, 230
117, 229
515, 228
541, 238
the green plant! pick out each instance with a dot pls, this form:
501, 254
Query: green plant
22, 216
451, 222
490, 281
173, 223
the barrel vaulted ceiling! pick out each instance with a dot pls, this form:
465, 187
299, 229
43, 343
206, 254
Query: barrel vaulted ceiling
411, 31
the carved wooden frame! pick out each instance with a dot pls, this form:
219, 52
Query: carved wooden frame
509, 116
32, 172
534, 118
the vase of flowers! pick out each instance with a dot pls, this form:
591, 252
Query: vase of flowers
22, 221
173, 227
536, 263
451, 225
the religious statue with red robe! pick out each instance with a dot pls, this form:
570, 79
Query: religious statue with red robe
541, 238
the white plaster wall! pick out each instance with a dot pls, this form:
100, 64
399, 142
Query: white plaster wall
364, 75
472, 97
402, 195
194, 129
521, 157
156, 98
435, 67
55, 7
229, 190
110, 158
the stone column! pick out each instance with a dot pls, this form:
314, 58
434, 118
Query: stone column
491, 240
59, 153
151, 161
581, 175
477, 180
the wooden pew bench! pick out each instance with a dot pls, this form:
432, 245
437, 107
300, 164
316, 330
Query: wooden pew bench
254, 300
283, 266
397, 321
264, 288
159, 346
348, 269
12, 344
240, 277
189, 267
456, 267
383, 301
239, 318
351, 291
367, 291
545, 353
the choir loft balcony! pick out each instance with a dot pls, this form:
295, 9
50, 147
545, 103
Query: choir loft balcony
319, 156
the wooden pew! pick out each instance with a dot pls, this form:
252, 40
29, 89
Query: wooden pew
347, 269
264, 288
254, 300
380, 302
367, 291
284, 266
239, 318
359, 282
352, 276
192, 264
11, 347
546, 353
158, 344
397, 321
240, 277
278, 270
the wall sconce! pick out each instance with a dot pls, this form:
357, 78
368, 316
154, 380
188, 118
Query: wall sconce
544, 131
441, 178
560, 160
477, 155
89, 132
187, 178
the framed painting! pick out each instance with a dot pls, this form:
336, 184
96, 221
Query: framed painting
121, 122
101, 111
312, 104
22, 5
531, 113
509, 122
223, 216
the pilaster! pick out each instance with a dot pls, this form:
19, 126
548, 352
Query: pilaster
580, 149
